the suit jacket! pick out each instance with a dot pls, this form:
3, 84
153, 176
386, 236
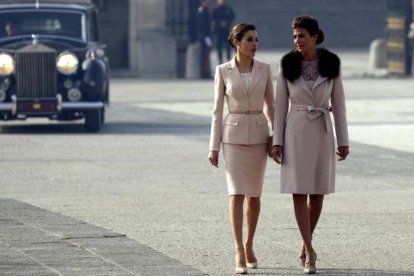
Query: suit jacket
243, 129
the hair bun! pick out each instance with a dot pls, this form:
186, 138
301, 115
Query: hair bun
321, 37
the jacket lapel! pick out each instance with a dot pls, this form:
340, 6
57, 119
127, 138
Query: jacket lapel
234, 75
302, 84
256, 76
318, 81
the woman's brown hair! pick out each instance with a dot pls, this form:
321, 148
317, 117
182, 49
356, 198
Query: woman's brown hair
238, 31
310, 24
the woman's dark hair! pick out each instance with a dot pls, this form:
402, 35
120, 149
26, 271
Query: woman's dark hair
310, 24
238, 31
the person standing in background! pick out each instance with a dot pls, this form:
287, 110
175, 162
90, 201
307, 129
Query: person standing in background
11, 28
222, 19
203, 23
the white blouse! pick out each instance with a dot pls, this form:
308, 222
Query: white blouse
247, 79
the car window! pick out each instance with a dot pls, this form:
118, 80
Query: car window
94, 24
65, 23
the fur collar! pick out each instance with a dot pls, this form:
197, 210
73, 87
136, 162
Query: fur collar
328, 65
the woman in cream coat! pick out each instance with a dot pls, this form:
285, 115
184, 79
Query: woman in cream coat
246, 84
304, 142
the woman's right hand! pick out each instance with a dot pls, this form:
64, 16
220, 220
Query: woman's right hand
277, 153
213, 157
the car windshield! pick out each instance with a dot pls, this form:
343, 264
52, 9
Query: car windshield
27, 22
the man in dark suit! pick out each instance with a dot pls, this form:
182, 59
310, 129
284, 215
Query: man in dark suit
222, 19
203, 23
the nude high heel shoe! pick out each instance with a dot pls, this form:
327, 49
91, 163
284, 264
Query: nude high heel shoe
310, 263
240, 269
252, 265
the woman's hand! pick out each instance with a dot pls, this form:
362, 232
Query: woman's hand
213, 157
342, 152
277, 153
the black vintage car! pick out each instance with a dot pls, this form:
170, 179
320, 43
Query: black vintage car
51, 62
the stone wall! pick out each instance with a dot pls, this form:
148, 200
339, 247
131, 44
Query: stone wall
350, 23
113, 21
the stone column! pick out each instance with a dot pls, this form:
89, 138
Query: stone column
152, 48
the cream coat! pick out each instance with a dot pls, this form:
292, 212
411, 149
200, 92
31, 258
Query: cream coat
308, 165
242, 129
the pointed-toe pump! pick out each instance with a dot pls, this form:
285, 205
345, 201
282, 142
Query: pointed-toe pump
252, 265
241, 270
310, 263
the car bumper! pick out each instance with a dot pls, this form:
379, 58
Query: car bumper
60, 106
6, 106
81, 105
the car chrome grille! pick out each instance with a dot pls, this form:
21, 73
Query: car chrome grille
36, 74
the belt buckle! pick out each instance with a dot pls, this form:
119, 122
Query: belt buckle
247, 112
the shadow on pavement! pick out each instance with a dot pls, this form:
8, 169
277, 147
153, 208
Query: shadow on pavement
361, 272
322, 271
111, 128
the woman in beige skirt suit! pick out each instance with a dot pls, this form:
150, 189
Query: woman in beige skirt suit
303, 138
246, 84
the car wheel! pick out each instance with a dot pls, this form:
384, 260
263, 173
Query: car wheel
107, 94
103, 115
93, 120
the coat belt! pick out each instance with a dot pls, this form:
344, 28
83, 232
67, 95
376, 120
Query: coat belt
246, 112
315, 112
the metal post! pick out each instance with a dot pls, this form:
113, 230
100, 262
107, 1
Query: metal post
399, 48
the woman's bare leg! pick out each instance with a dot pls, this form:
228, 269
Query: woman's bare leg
236, 219
302, 219
252, 216
314, 210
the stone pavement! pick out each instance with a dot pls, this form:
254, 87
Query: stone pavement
34, 241
139, 198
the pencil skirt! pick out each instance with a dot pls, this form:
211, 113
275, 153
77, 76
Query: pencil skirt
245, 167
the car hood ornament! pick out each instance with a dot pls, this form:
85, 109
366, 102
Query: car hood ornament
35, 39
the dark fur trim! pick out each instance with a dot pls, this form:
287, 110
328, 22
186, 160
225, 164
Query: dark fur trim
292, 65
329, 64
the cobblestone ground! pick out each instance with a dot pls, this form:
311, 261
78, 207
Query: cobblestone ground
146, 178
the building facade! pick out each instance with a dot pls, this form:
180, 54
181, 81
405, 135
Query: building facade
149, 38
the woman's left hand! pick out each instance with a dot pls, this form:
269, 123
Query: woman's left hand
277, 153
342, 152
213, 156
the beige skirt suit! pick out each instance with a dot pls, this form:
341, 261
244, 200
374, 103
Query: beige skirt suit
243, 132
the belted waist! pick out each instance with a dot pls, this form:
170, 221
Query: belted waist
315, 112
246, 112
311, 108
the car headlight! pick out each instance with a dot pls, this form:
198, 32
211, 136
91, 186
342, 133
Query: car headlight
6, 64
3, 95
67, 63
